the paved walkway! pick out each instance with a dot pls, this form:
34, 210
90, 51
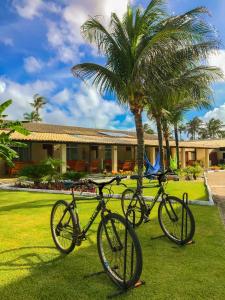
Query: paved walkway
216, 181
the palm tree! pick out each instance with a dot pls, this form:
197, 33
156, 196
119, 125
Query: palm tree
193, 127
133, 45
181, 128
39, 102
32, 117
147, 129
214, 128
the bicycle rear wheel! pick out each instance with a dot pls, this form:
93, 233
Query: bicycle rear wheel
63, 226
131, 201
176, 220
119, 250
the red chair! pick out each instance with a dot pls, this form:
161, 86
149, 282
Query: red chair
94, 166
77, 165
18, 166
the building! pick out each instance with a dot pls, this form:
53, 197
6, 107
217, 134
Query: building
96, 150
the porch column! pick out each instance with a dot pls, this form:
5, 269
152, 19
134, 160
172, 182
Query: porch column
101, 149
173, 152
206, 158
152, 155
183, 158
114, 159
63, 158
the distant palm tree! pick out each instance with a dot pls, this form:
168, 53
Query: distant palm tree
32, 117
147, 129
214, 128
39, 102
194, 127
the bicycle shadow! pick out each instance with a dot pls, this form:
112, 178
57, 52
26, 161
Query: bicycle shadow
51, 275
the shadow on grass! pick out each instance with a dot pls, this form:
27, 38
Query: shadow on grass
54, 276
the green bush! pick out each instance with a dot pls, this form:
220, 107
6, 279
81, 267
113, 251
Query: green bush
35, 172
72, 175
192, 172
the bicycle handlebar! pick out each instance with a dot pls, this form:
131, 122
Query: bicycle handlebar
117, 179
68, 184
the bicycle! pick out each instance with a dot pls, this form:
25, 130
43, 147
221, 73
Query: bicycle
118, 246
175, 217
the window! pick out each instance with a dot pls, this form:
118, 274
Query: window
72, 152
94, 152
24, 153
128, 148
108, 152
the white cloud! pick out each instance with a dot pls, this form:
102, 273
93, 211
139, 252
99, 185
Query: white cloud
32, 64
22, 95
6, 41
217, 113
64, 35
33, 8
82, 108
63, 96
89, 109
217, 59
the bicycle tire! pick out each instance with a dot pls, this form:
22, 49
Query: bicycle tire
137, 206
70, 228
178, 239
116, 273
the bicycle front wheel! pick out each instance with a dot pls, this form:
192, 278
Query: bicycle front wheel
119, 250
176, 220
132, 202
63, 227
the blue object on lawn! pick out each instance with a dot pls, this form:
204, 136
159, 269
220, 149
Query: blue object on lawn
150, 169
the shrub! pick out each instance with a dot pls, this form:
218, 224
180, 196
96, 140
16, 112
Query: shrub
35, 172
191, 172
72, 175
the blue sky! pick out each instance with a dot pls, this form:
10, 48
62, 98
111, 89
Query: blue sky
40, 41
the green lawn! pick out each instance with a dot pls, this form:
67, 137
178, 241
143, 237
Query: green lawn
196, 189
31, 268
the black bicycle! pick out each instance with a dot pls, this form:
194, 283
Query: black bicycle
118, 245
175, 217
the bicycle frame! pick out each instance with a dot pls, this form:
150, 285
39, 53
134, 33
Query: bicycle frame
100, 207
149, 208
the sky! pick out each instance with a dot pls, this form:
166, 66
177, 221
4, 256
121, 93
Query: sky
40, 41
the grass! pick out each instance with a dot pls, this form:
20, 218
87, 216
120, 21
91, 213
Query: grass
196, 189
32, 269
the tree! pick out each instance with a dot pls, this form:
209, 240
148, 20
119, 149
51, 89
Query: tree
133, 46
32, 117
147, 129
7, 128
181, 129
194, 127
37, 104
214, 128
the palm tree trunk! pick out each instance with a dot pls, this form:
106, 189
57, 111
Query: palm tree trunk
160, 138
140, 143
177, 145
166, 137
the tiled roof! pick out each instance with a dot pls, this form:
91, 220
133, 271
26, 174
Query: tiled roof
73, 130
69, 134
